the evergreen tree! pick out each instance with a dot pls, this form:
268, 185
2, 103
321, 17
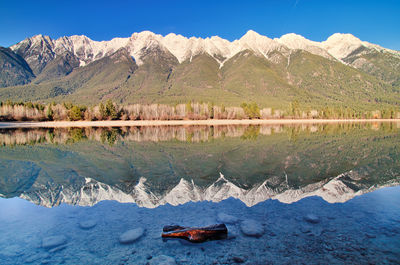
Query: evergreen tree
251, 110
49, 113
211, 110
111, 111
189, 109
102, 111
75, 114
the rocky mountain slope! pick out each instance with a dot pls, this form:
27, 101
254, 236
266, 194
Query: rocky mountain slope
148, 67
13, 69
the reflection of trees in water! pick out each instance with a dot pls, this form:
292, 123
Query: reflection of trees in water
180, 133
110, 136
252, 162
251, 133
75, 135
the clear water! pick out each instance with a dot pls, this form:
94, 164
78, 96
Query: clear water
316, 194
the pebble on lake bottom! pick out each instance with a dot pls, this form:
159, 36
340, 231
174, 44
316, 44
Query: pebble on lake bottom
252, 228
233, 232
36, 257
131, 235
162, 260
87, 224
53, 241
238, 260
226, 218
56, 249
12, 251
312, 219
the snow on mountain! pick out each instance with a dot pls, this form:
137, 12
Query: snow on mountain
92, 192
298, 42
37, 51
261, 45
342, 45
333, 191
86, 49
182, 193
337, 46
179, 46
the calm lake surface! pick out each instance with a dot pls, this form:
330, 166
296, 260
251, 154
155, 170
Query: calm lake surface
293, 194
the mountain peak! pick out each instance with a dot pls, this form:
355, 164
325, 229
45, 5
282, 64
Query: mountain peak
144, 35
80, 37
251, 32
292, 36
341, 45
343, 37
297, 42
40, 37
293, 41
251, 35
36, 37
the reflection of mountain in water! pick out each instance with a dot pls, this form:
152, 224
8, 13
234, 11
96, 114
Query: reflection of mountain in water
92, 192
334, 162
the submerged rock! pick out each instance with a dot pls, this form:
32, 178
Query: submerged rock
305, 229
312, 219
53, 241
12, 251
252, 228
370, 235
131, 235
88, 224
316, 230
328, 247
227, 219
233, 232
56, 249
37, 256
162, 260
238, 260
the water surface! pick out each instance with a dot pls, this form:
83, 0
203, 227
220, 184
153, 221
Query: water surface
319, 193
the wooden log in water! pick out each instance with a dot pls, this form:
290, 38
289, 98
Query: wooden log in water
196, 234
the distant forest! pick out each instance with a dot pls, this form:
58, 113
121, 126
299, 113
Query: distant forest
28, 111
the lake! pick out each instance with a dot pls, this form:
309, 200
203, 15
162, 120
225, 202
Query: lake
288, 194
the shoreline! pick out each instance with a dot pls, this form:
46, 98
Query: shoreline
121, 123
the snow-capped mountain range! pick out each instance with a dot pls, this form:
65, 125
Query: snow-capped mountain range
152, 68
336, 47
93, 191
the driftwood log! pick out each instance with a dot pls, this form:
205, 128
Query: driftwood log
195, 234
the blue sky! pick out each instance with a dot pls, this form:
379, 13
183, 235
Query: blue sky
373, 21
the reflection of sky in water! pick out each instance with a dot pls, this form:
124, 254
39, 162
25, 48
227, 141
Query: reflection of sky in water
363, 230
317, 193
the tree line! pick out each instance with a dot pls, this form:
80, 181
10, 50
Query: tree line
28, 111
